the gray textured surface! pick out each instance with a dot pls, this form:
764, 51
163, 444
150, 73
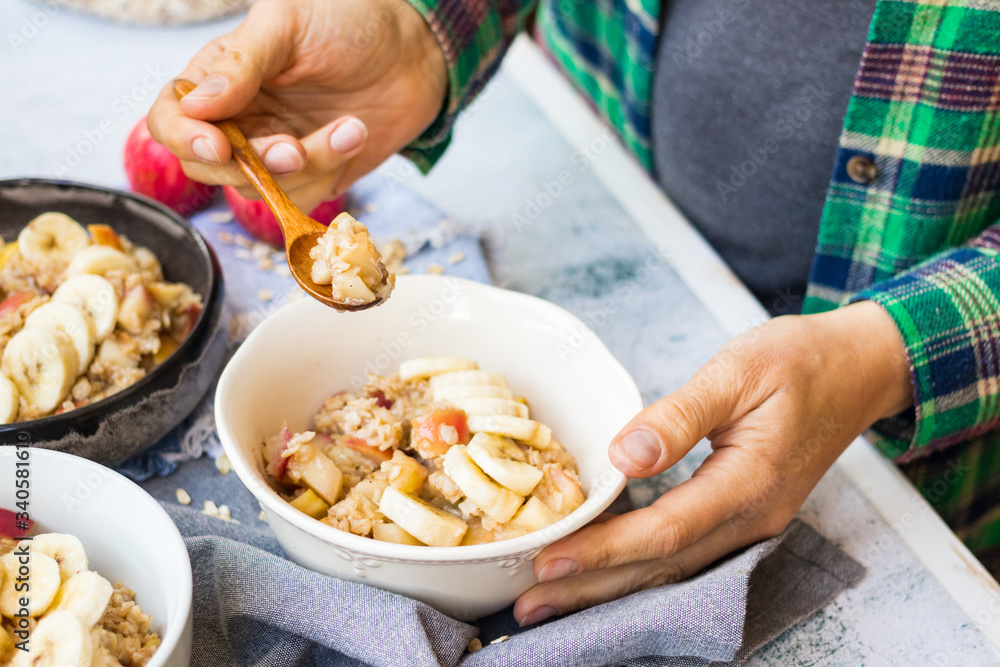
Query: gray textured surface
73, 73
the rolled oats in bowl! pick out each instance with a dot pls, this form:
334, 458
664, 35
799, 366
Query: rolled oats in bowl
441, 454
84, 313
73, 617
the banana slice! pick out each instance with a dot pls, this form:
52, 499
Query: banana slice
498, 503
59, 640
98, 260
524, 430
67, 550
85, 595
423, 521
69, 321
430, 366
93, 296
534, 515
52, 236
452, 392
42, 579
504, 461
468, 377
10, 400
42, 365
491, 406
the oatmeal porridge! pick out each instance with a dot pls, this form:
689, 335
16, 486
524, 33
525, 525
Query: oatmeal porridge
442, 454
346, 259
74, 617
84, 313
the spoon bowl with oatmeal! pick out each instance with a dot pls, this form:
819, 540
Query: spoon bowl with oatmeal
339, 265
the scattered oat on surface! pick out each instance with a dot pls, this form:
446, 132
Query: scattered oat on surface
183, 497
295, 295
403, 271
500, 640
221, 217
243, 254
370, 208
282, 269
223, 464
226, 237
265, 264
218, 511
243, 241
456, 258
262, 516
260, 251
475, 645
393, 253
435, 269
265, 295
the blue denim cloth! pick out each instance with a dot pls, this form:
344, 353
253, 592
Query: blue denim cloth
254, 608
388, 210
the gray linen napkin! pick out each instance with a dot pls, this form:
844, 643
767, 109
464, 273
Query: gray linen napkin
254, 608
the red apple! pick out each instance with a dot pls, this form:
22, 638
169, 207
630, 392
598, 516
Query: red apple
184, 321
362, 447
381, 400
12, 527
273, 449
425, 435
15, 301
256, 217
154, 171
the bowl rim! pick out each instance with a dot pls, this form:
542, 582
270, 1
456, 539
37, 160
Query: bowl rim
177, 623
405, 553
209, 301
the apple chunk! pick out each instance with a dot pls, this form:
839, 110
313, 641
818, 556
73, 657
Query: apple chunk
15, 301
311, 504
434, 434
312, 468
405, 473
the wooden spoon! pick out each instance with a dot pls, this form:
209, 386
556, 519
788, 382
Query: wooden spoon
301, 232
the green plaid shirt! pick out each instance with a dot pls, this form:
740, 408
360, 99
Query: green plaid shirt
908, 219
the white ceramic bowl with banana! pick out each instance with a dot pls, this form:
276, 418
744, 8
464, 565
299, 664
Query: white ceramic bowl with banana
306, 352
93, 530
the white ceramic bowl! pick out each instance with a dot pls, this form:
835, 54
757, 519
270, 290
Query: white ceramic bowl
126, 534
305, 352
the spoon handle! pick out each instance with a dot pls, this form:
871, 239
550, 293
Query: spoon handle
246, 157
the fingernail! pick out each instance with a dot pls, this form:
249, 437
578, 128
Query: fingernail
557, 569
282, 159
640, 449
204, 150
208, 88
537, 616
348, 136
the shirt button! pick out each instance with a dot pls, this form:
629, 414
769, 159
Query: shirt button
862, 169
